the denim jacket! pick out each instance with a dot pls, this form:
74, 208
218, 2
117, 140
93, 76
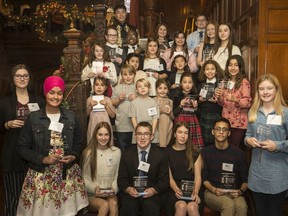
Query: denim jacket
34, 139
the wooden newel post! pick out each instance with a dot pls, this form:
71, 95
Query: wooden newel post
150, 15
75, 92
100, 21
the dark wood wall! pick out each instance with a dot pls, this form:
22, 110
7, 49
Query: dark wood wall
273, 40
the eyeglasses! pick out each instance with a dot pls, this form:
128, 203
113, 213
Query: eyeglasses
143, 134
112, 35
19, 76
219, 129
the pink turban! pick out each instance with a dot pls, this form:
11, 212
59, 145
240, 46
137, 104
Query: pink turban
51, 82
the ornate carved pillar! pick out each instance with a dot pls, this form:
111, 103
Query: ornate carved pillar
75, 89
100, 21
150, 15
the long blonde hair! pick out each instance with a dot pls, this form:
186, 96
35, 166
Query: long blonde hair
90, 152
278, 102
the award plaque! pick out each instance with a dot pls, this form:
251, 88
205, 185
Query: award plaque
207, 91
228, 182
187, 187
140, 183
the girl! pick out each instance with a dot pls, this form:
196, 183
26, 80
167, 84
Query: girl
144, 108
225, 44
134, 60
99, 64
123, 94
162, 37
184, 107
166, 115
206, 50
178, 67
209, 109
116, 53
153, 65
184, 164
100, 162
179, 47
99, 107
14, 110
235, 99
267, 136
50, 142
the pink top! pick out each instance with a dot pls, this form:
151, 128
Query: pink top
237, 112
191, 60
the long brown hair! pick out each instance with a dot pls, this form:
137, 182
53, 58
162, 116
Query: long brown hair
191, 149
90, 152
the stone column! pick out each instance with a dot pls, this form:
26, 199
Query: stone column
150, 15
75, 92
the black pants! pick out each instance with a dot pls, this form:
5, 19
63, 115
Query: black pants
269, 204
13, 182
140, 206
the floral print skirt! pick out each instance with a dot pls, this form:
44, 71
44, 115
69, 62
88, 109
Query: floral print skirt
49, 193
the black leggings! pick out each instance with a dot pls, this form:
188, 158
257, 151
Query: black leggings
269, 204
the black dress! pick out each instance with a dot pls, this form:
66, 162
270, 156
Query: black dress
179, 168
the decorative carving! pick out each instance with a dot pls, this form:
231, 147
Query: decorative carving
150, 15
100, 21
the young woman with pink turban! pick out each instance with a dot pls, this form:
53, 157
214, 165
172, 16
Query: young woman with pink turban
51, 143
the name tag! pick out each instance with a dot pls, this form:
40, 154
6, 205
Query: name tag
110, 161
274, 120
143, 166
152, 111
227, 167
160, 67
203, 93
119, 50
56, 126
33, 107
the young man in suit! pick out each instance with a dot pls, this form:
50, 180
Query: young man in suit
149, 162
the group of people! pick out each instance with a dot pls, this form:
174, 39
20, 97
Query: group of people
165, 124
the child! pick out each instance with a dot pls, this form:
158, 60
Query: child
178, 67
166, 115
235, 98
153, 65
99, 64
100, 163
143, 108
209, 109
123, 94
99, 107
134, 60
184, 107
116, 53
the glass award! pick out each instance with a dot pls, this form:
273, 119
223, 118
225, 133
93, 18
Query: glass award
105, 184
207, 91
228, 182
223, 84
263, 132
187, 187
189, 103
140, 183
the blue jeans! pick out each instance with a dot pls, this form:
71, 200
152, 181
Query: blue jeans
124, 140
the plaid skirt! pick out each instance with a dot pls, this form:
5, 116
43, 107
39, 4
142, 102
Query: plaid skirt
195, 130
